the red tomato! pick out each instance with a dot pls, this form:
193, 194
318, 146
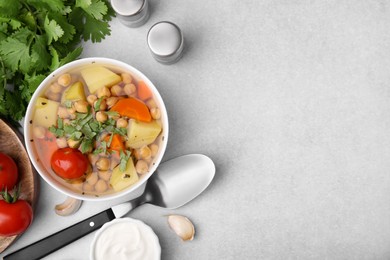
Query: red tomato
8, 172
15, 218
69, 163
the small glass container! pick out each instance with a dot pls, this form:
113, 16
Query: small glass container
132, 13
166, 42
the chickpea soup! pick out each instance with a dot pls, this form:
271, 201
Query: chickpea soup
97, 129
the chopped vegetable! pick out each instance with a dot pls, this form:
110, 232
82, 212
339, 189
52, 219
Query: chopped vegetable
97, 77
115, 142
37, 37
143, 91
122, 179
74, 93
45, 112
141, 133
132, 108
50, 146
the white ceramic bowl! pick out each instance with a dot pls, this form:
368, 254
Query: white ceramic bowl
54, 180
113, 236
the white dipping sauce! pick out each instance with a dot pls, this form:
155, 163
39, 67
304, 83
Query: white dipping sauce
125, 239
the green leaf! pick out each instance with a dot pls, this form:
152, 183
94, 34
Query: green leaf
53, 5
95, 30
9, 8
53, 30
69, 29
71, 56
16, 54
86, 145
96, 9
39, 48
55, 62
31, 83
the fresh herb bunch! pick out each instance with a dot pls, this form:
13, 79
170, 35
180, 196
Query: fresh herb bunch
37, 37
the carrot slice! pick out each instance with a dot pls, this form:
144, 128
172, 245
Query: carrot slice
143, 91
116, 143
46, 147
132, 108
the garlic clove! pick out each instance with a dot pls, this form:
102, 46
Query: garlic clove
182, 226
68, 207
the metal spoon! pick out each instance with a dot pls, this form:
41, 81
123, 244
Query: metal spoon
175, 183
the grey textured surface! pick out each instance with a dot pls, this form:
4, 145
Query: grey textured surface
291, 99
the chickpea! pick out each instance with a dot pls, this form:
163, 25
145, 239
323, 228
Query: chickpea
103, 164
103, 92
154, 149
145, 152
105, 175
62, 112
101, 116
88, 187
81, 106
151, 103
53, 96
137, 154
103, 105
55, 88
39, 132
64, 80
73, 143
91, 99
92, 178
111, 101
116, 90
121, 122
93, 158
126, 78
155, 113
129, 89
101, 186
61, 142
141, 167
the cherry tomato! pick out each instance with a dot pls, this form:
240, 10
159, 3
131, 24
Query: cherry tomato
15, 217
8, 172
69, 163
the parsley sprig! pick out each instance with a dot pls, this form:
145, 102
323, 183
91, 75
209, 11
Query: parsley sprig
37, 37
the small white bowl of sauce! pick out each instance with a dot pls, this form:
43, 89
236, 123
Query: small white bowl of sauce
125, 238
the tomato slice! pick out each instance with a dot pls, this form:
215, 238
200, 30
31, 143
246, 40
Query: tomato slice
69, 163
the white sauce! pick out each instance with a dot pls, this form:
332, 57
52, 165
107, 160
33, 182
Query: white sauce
125, 239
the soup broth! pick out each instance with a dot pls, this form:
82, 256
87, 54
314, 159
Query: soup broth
101, 115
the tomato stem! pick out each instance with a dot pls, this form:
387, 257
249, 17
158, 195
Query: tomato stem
8, 197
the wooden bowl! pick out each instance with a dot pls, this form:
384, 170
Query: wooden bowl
11, 143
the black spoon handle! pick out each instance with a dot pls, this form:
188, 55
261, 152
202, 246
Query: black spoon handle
62, 238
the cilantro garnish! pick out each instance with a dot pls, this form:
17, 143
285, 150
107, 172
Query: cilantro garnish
124, 156
37, 37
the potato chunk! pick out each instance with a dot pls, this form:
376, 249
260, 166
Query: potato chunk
45, 112
120, 180
97, 77
74, 92
141, 133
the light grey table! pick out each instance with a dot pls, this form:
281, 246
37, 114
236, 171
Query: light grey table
291, 99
